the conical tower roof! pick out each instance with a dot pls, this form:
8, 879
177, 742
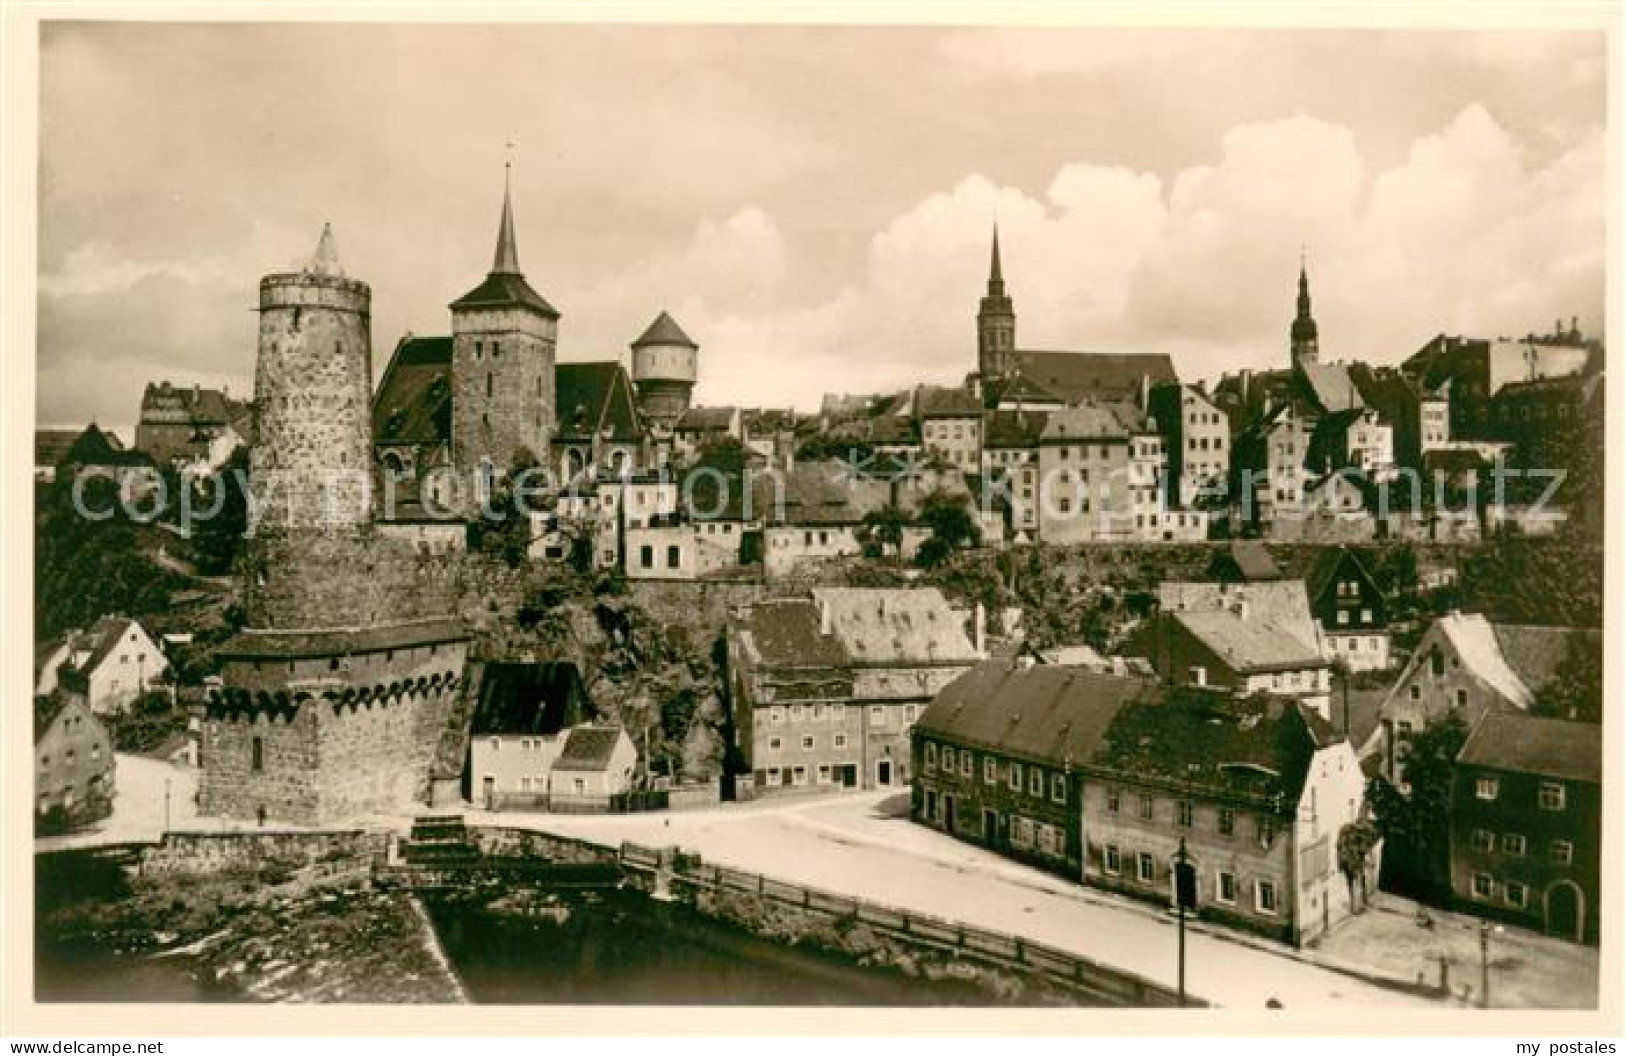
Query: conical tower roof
325, 261
664, 331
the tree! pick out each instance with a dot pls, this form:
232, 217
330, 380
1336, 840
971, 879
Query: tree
836, 449
1575, 689
216, 540
882, 531
1355, 844
1416, 827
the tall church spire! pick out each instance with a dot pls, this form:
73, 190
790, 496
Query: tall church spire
1305, 333
995, 322
995, 278
507, 258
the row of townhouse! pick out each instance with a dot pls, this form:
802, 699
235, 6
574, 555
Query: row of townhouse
1103, 779
826, 688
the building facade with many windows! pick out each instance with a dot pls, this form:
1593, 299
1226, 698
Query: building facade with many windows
1526, 824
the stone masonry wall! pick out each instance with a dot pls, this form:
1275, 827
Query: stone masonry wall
359, 577
311, 462
501, 401
283, 786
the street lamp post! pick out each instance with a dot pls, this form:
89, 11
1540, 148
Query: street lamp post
1184, 898
1485, 929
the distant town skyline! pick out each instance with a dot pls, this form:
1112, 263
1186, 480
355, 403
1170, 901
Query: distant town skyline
814, 221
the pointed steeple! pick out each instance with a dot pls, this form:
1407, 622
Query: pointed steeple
995, 276
507, 257
325, 261
1305, 333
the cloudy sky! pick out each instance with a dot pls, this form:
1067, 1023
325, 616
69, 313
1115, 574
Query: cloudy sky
813, 205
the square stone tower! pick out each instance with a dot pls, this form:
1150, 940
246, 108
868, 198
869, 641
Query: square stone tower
504, 336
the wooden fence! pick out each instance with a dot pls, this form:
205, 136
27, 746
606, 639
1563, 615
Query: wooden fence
1111, 986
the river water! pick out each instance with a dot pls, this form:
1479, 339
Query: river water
600, 947
621, 947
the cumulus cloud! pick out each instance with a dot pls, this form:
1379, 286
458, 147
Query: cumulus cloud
96, 268
1464, 234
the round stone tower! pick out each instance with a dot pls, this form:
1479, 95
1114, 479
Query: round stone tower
664, 369
312, 386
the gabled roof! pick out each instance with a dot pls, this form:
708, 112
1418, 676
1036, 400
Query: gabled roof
594, 399
1054, 715
1329, 385
93, 447
1013, 429
1285, 602
505, 290
413, 402
1251, 644
100, 640
589, 748
1092, 421
664, 331
891, 429
947, 403
814, 493
1076, 376
891, 626
1474, 639
1513, 741
1325, 565
1019, 388
529, 699
1260, 750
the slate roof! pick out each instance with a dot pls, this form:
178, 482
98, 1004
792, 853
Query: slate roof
1260, 752
890, 626
1513, 741
593, 399
1076, 376
785, 632
664, 331
1096, 421
588, 748
1013, 429
503, 290
1534, 653
1246, 560
706, 419
288, 645
51, 445
1250, 645
1052, 715
94, 447
1283, 602
413, 402
1018, 388
46, 709
100, 640
891, 429
947, 403
1330, 385
529, 700
814, 493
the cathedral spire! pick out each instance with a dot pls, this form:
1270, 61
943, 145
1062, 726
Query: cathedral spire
1305, 332
995, 277
507, 258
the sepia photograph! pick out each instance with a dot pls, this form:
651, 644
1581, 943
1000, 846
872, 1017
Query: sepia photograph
549, 512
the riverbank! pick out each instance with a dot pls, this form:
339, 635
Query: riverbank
245, 931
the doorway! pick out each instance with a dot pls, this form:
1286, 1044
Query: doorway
1565, 911
949, 810
990, 827
883, 773
488, 792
